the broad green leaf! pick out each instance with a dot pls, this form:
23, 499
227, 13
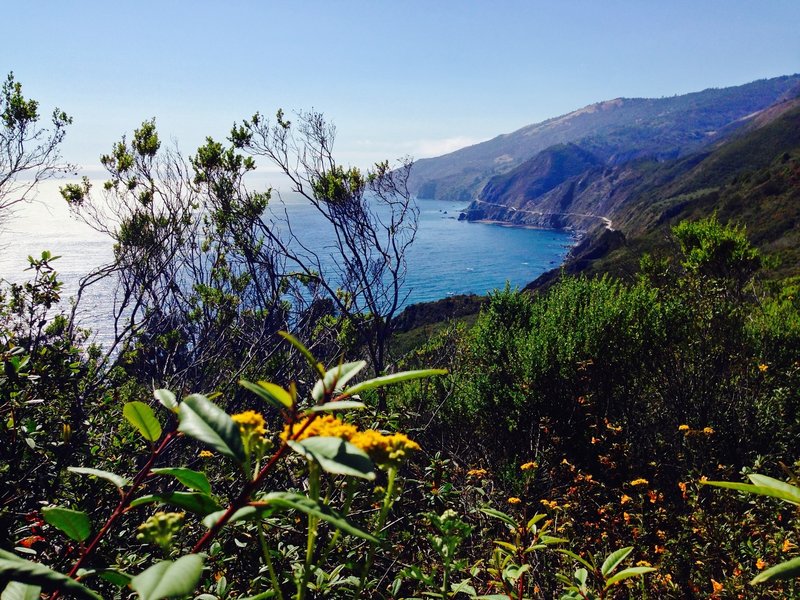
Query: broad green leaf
535, 519
290, 500
785, 570
117, 480
628, 573
510, 547
500, 515
167, 579
167, 399
21, 591
613, 560
790, 490
208, 423
74, 523
390, 379
118, 578
191, 479
336, 378
580, 577
336, 406
195, 502
141, 416
580, 559
247, 513
549, 539
336, 456
304, 351
760, 490
270, 393
14, 568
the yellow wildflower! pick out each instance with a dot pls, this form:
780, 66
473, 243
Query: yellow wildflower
787, 545
529, 465
625, 499
708, 430
250, 422
384, 449
322, 426
640, 481
551, 504
716, 587
683, 427
643, 563
514, 500
205, 454
763, 368
476, 473
761, 564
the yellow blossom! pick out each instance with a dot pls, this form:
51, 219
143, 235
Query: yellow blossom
551, 504
477, 473
708, 430
528, 466
763, 368
625, 499
205, 454
760, 564
643, 563
787, 545
250, 422
514, 500
683, 427
384, 449
322, 426
716, 587
640, 481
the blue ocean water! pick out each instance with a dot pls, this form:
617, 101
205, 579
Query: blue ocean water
448, 257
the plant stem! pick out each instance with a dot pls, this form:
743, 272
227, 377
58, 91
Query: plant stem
388, 500
313, 522
273, 577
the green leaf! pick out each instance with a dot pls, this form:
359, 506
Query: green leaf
141, 416
760, 490
208, 423
290, 500
792, 493
336, 456
167, 399
628, 573
191, 479
195, 502
580, 559
785, 570
72, 522
117, 480
500, 515
247, 513
14, 568
21, 591
613, 560
118, 578
269, 393
167, 579
390, 379
336, 405
304, 351
336, 378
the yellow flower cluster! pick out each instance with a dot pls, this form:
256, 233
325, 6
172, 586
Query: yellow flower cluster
322, 426
205, 454
763, 368
640, 481
250, 422
382, 448
683, 427
476, 473
514, 500
551, 504
529, 466
688, 431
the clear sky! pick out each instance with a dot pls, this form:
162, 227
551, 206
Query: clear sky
405, 77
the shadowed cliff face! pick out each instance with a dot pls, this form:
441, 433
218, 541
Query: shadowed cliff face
614, 132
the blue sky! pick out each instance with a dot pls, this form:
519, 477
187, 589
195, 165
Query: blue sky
409, 77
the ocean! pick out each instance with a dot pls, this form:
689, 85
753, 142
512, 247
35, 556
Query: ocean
448, 257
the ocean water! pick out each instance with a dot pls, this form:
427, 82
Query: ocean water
448, 256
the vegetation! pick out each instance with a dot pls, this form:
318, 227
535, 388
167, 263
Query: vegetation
570, 443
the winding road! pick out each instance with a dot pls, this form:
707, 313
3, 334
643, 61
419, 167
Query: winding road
606, 221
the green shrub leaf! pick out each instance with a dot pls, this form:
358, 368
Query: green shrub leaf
21, 591
117, 480
760, 490
74, 523
270, 393
390, 379
785, 570
205, 421
626, 574
336, 406
191, 479
14, 568
290, 500
507, 519
336, 378
613, 560
167, 399
195, 502
167, 579
336, 456
141, 416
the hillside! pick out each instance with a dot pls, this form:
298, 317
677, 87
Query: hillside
615, 131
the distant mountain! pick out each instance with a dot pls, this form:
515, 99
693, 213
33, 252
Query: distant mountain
610, 133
